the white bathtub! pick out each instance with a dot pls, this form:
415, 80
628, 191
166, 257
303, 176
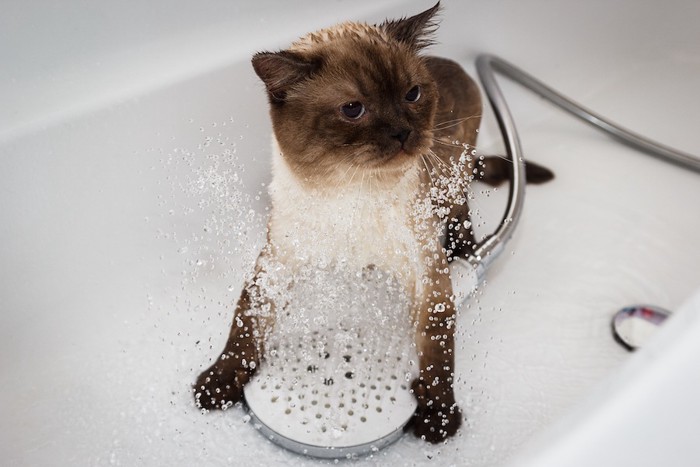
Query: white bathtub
106, 318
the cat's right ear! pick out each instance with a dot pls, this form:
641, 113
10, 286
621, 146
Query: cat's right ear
282, 70
415, 31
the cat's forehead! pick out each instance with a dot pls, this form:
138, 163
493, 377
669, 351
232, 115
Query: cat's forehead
360, 56
339, 32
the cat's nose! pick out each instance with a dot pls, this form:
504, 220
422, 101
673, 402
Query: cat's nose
401, 135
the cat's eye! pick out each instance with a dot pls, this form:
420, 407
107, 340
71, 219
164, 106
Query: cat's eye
413, 94
353, 110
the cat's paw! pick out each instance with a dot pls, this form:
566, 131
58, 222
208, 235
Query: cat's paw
435, 418
221, 385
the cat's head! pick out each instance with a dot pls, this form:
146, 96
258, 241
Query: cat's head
353, 98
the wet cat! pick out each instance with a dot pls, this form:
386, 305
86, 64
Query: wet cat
364, 126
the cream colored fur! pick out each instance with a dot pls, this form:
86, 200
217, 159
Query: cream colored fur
354, 225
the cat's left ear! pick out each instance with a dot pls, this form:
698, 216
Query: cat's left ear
282, 70
414, 31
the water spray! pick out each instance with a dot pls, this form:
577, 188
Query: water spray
341, 390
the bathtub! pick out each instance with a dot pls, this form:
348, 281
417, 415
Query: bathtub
122, 129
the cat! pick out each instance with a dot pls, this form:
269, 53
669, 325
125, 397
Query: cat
364, 124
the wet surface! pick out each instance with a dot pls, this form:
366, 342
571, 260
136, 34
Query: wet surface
115, 294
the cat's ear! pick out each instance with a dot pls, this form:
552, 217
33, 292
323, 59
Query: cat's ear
414, 31
281, 70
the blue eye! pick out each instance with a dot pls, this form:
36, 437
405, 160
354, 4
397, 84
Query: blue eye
413, 94
353, 110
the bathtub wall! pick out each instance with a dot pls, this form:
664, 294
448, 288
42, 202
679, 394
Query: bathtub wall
112, 296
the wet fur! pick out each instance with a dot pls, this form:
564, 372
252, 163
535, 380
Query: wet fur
346, 188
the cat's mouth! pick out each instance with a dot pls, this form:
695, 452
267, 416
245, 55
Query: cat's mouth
398, 157
391, 160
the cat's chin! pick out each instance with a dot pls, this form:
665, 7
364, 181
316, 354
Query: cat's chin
384, 173
396, 161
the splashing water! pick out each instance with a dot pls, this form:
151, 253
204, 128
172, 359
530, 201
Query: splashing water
216, 197
361, 317
339, 359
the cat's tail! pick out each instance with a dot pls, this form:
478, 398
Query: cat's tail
492, 170
495, 170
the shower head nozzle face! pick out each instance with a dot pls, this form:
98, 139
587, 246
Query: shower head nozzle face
343, 403
338, 366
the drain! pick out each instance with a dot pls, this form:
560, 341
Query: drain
633, 326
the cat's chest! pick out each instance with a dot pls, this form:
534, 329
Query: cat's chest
360, 226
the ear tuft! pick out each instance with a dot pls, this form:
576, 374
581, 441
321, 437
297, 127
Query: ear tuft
415, 31
282, 70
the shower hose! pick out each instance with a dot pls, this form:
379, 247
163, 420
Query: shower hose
491, 246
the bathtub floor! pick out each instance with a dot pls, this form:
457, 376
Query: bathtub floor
114, 297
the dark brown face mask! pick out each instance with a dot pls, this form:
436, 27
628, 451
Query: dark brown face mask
353, 95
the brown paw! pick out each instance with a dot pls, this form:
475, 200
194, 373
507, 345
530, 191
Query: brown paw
437, 417
436, 424
221, 385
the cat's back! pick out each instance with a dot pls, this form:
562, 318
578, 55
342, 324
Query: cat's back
459, 105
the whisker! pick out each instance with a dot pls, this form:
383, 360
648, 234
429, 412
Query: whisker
352, 177
343, 177
351, 165
447, 143
451, 123
437, 161
500, 157
455, 144
456, 175
428, 171
360, 193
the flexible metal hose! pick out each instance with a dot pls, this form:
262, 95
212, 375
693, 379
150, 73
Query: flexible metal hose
489, 248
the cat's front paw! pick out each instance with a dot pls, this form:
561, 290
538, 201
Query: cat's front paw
437, 416
221, 385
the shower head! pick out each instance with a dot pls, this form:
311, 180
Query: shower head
336, 384
343, 403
